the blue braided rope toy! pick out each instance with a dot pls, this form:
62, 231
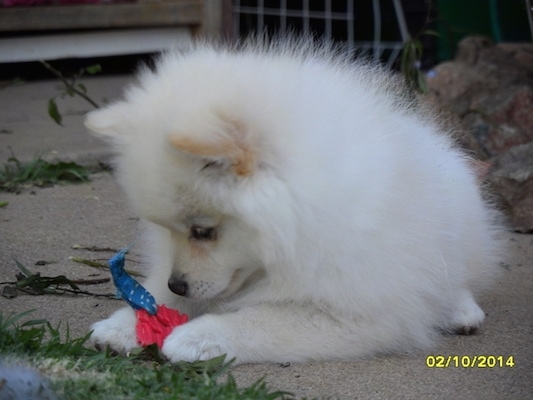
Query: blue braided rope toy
127, 287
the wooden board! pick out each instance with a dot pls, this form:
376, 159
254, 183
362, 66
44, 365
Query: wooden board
140, 14
99, 43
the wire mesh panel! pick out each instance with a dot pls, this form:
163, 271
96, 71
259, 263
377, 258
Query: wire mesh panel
366, 27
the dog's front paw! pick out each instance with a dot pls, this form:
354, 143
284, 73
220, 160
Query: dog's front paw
200, 339
117, 332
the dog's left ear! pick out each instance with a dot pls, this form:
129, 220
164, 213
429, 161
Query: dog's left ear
227, 142
109, 121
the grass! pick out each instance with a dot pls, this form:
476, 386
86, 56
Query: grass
39, 172
77, 372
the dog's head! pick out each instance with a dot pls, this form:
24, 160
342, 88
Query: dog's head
199, 172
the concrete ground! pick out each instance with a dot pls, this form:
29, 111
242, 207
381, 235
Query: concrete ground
42, 224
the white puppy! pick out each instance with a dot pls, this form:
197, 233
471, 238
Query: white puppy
297, 207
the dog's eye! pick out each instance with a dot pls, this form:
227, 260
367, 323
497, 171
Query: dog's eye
203, 233
211, 164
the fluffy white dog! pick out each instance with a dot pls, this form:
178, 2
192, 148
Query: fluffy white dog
297, 206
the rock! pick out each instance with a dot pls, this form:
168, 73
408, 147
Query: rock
490, 88
503, 120
22, 383
511, 176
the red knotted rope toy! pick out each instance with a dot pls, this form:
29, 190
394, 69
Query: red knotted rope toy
155, 328
154, 323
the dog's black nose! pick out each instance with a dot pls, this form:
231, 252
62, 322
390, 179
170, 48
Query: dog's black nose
178, 286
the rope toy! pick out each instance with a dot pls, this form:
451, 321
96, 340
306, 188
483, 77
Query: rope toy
154, 322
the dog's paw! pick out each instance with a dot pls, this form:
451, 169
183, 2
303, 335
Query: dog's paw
117, 332
200, 339
468, 317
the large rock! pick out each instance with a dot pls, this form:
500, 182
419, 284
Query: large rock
511, 176
488, 91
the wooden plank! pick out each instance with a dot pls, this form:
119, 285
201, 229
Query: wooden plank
211, 25
166, 13
100, 43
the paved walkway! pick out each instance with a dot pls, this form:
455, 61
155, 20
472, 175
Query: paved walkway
42, 224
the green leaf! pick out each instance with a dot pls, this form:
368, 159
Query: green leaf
93, 69
53, 112
3, 203
202, 366
409, 65
431, 32
23, 268
82, 87
34, 322
212, 364
150, 352
421, 81
12, 319
66, 171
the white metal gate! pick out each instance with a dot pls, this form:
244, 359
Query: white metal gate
333, 19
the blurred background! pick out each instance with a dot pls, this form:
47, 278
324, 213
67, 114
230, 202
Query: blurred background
470, 60
119, 32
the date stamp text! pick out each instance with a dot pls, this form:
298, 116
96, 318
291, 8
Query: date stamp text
476, 361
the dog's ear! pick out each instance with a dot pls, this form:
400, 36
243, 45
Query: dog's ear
107, 121
228, 142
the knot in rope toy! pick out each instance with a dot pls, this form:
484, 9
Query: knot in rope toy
154, 322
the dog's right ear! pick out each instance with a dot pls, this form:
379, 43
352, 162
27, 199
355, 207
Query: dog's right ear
228, 141
107, 121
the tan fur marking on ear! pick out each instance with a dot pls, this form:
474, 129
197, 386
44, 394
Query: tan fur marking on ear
195, 147
234, 148
244, 158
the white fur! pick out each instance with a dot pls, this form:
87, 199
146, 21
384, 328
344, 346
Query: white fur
347, 224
